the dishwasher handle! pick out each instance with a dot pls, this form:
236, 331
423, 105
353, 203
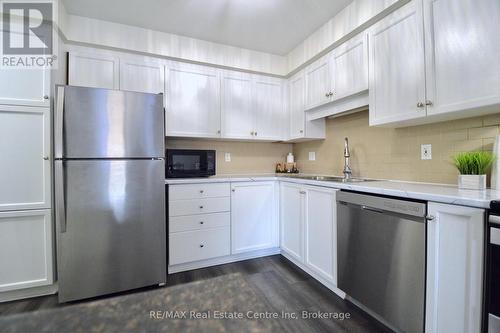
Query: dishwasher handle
350, 205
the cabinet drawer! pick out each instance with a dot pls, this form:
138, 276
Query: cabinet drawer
198, 206
198, 222
198, 245
198, 191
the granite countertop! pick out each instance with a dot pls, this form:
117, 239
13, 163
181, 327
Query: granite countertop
449, 194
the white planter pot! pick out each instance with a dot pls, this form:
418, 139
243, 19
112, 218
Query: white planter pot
472, 182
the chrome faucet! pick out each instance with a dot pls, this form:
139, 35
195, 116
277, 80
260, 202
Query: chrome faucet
347, 169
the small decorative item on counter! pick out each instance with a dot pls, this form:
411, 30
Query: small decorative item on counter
287, 168
290, 158
473, 167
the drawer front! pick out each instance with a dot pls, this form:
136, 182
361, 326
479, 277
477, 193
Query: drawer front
198, 245
198, 191
198, 206
198, 222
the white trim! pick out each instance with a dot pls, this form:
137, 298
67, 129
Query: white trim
14, 295
222, 260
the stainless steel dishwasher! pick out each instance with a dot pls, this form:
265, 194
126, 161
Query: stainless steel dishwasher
381, 257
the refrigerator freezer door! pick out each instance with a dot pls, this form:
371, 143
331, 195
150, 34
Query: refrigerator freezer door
102, 123
114, 237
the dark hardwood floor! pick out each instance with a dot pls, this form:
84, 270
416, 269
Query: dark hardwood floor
279, 283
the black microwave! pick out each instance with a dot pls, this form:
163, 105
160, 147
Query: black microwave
187, 163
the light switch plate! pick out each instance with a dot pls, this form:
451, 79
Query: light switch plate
426, 152
312, 156
227, 157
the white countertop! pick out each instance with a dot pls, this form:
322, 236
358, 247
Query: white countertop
449, 194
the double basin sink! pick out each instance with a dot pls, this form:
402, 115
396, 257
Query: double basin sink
334, 179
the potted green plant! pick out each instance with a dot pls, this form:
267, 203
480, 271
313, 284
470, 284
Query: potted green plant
473, 167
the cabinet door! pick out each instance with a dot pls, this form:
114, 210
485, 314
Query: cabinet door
238, 114
193, 101
318, 82
455, 241
254, 223
93, 70
269, 108
142, 76
462, 46
397, 70
350, 67
292, 216
297, 106
321, 232
19, 85
25, 249
25, 175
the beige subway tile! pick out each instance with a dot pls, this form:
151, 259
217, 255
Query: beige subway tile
483, 132
468, 145
493, 119
488, 144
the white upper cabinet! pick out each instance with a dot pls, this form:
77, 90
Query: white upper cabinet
462, 42
25, 86
94, 70
25, 173
270, 115
350, 67
142, 76
254, 221
299, 127
318, 82
397, 68
193, 101
238, 114
455, 243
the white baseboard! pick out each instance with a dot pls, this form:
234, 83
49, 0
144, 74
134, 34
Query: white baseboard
14, 295
222, 260
317, 277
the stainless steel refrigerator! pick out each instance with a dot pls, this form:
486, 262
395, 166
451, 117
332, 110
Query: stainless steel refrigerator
109, 172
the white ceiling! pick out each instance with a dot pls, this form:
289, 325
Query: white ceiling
273, 26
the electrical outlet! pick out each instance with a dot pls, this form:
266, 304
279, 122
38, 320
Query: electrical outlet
426, 152
227, 157
312, 156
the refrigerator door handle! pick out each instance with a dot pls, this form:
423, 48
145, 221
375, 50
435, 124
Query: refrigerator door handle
59, 123
60, 195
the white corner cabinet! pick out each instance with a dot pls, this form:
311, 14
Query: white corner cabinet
435, 60
308, 234
339, 75
455, 244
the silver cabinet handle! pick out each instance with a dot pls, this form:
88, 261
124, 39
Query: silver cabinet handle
201, 222
302, 192
60, 195
327, 95
428, 103
201, 191
45, 96
420, 105
218, 132
255, 133
430, 217
330, 94
233, 190
201, 245
301, 131
201, 207
45, 158
251, 133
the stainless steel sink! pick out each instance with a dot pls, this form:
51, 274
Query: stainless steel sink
334, 179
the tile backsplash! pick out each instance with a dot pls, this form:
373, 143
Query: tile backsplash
389, 153
246, 157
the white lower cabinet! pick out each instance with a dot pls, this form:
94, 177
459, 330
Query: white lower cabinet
26, 258
309, 229
321, 232
254, 220
455, 242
